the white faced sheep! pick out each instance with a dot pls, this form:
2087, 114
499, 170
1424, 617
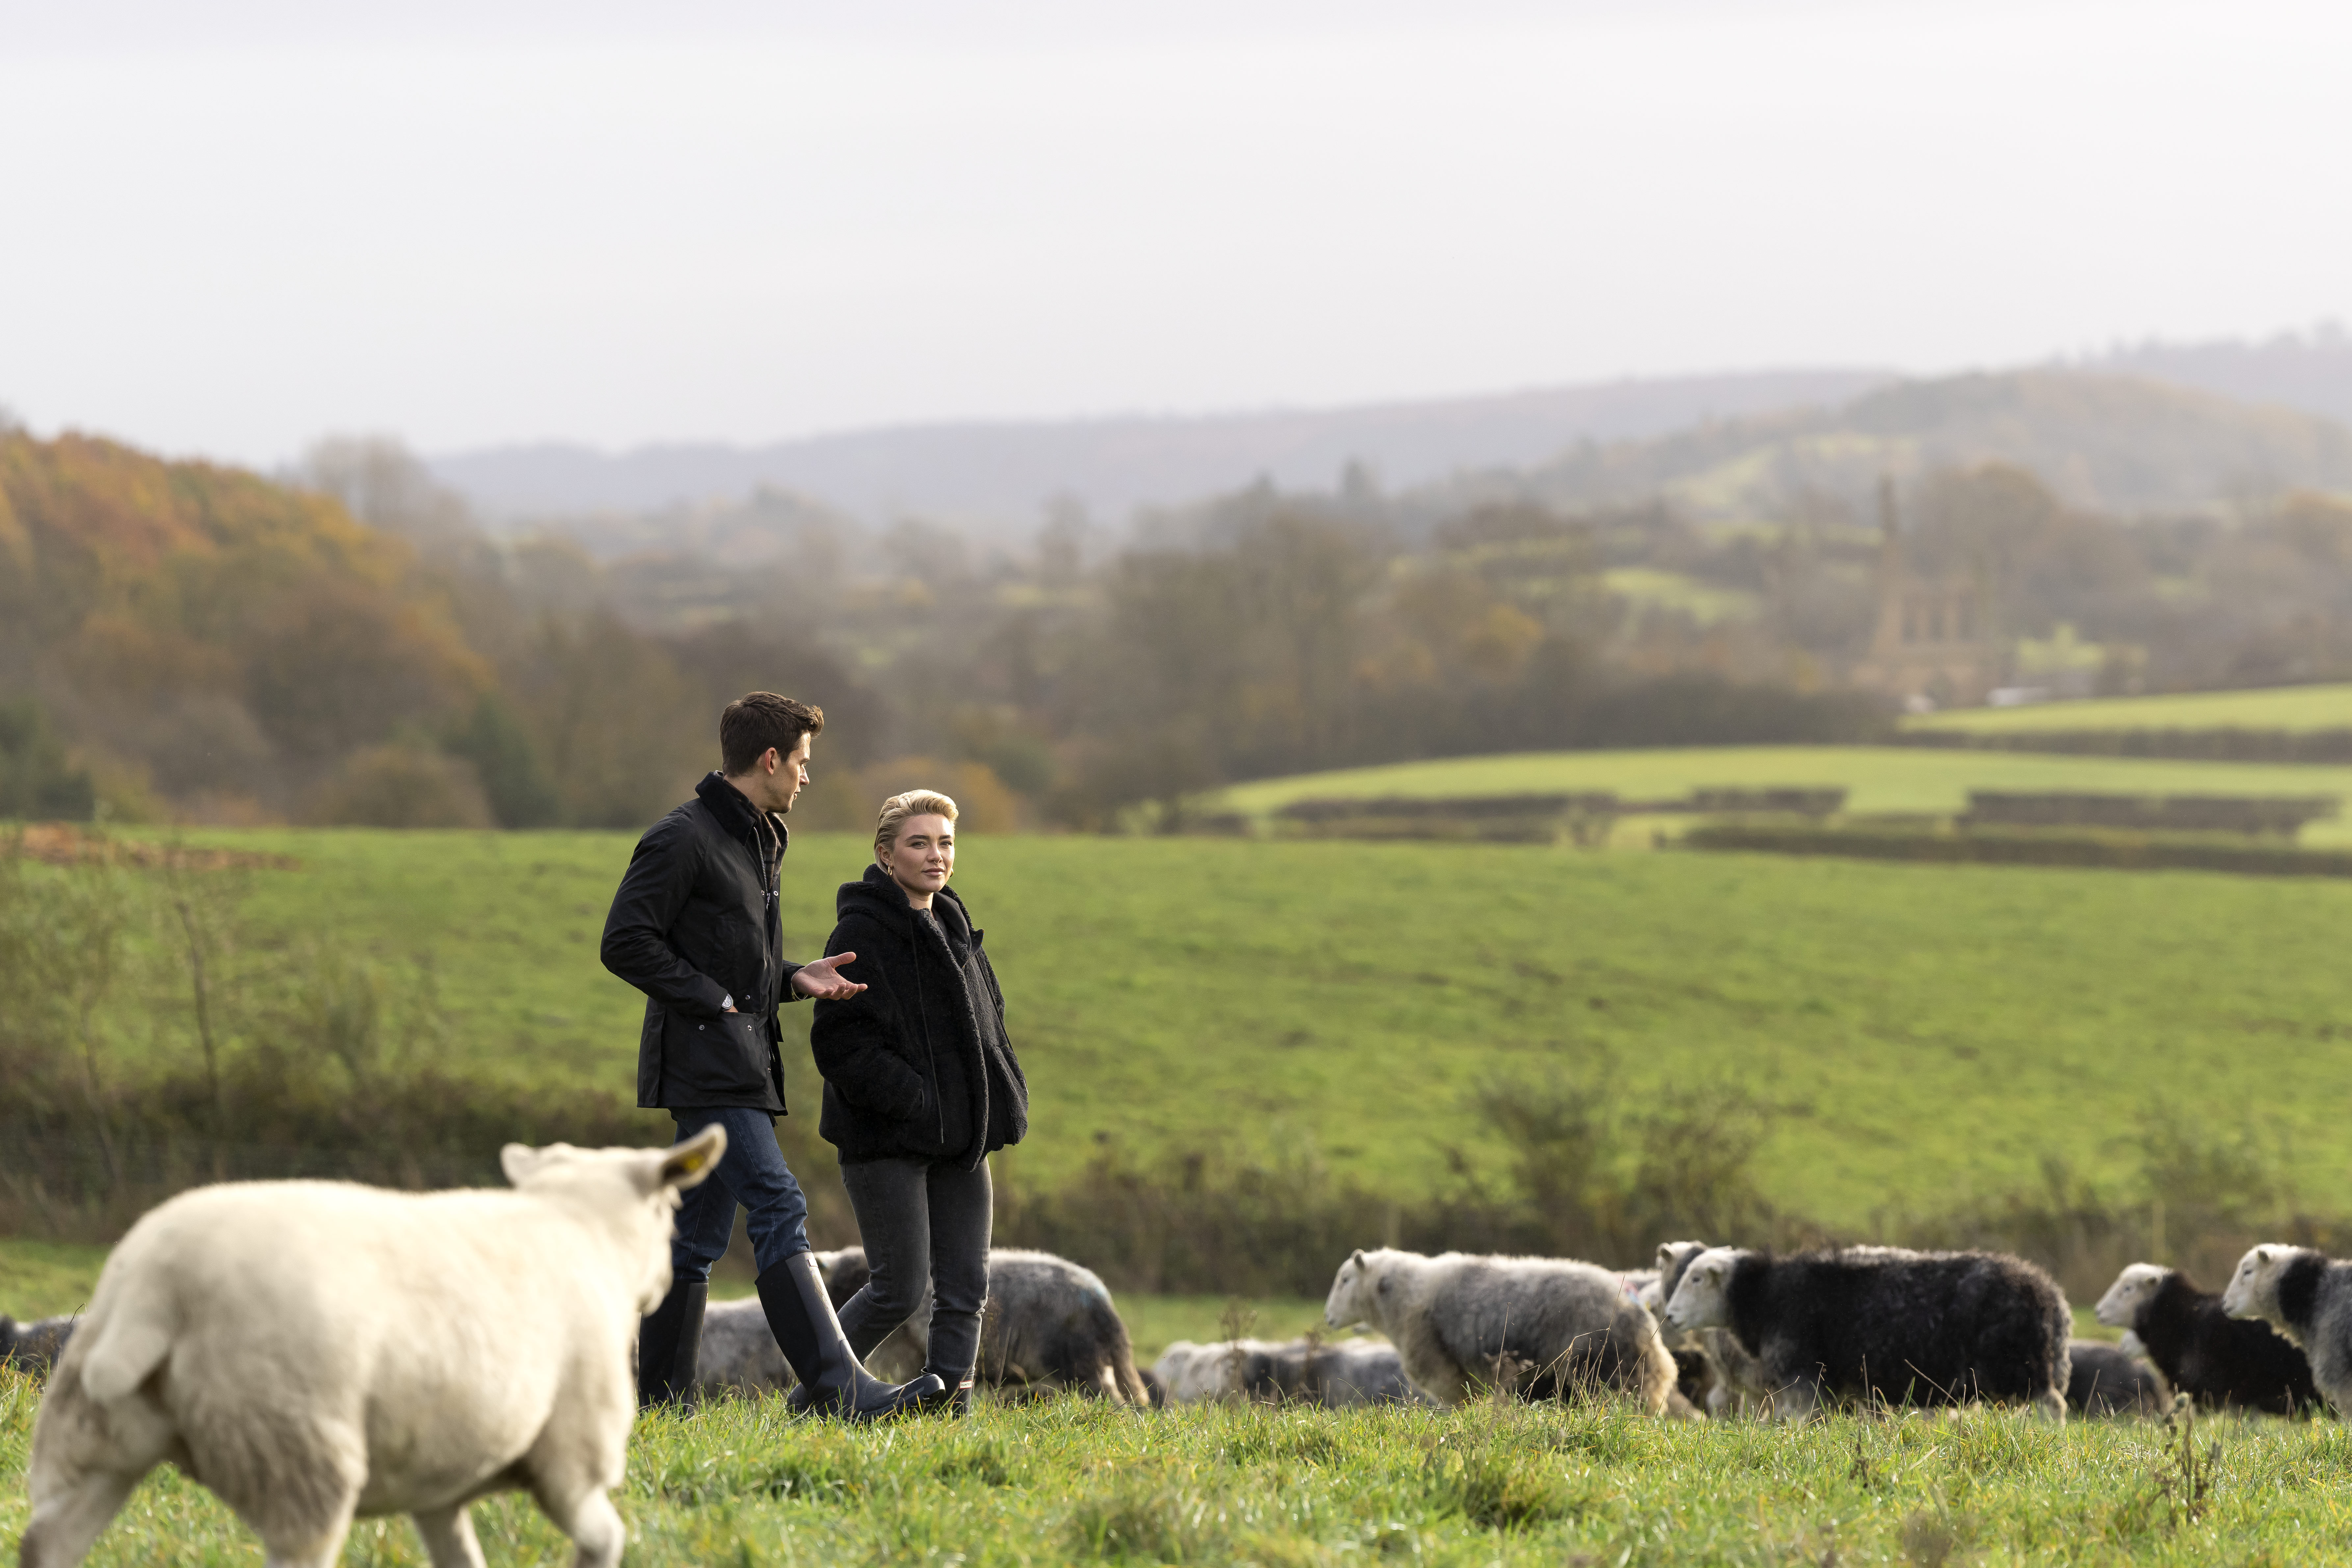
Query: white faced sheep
2203, 1352
2308, 1297
311, 1351
1545, 1327
34, 1347
1048, 1325
1332, 1373
1909, 1328
1734, 1382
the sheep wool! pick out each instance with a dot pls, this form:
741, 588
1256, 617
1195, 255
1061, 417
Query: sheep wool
1908, 1328
1545, 1327
2217, 1360
2308, 1297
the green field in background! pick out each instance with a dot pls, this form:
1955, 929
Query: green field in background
1879, 777
1924, 1032
2273, 707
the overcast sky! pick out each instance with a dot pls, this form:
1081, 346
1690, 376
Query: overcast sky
470, 224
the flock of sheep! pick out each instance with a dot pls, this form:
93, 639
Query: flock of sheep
318, 1351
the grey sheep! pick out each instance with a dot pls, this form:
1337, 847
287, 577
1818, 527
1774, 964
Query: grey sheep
1544, 1327
1331, 1373
2109, 1380
1049, 1324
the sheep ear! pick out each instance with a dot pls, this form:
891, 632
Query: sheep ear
694, 1159
519, 1160
1357, 1257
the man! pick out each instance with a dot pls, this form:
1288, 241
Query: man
695, 927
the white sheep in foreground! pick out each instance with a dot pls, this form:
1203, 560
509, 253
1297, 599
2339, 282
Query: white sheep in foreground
2306, 1296
1547, 1327
313, 1350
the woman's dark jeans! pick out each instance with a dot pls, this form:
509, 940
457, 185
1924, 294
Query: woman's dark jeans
924, 1225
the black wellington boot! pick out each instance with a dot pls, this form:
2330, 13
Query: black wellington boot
954, 1398
669, 1343
800, 1314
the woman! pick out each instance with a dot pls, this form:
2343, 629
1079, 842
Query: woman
921, 1087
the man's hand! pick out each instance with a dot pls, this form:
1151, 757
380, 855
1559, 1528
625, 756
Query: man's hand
824, 981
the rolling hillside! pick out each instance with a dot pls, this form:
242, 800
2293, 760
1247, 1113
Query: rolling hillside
2295, 709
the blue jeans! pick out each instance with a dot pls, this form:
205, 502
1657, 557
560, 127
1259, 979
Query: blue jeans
752, 1172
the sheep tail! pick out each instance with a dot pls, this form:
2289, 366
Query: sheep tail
128, 1338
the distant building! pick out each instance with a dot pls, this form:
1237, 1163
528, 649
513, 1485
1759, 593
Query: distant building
1937, 642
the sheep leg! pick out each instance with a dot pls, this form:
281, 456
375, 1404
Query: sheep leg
1794, 1403
595, 1528
69, 1519
2050, 1406
319, 1551
449, 1535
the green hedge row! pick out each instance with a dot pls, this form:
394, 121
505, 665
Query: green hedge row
2123, 852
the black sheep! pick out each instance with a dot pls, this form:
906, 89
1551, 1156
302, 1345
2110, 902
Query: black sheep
2109, 1380
1909, 1328
2215, 1359
2308, 1297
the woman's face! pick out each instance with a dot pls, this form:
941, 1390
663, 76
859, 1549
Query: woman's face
923, 858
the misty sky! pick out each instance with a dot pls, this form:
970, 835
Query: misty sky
473, 223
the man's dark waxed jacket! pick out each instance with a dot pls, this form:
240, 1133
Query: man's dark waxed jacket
694, 923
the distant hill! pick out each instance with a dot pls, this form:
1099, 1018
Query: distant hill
2312, 371
996, 478
2119, 444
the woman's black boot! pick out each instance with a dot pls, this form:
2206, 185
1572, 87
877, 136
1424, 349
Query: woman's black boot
954, 1397
800, 1316
669, 1343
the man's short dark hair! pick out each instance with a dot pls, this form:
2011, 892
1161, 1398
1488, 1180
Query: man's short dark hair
758, 720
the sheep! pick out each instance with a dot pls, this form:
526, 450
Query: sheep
1544, 1327
2308, 1297
313, 1350
2202, 1351
34, 1347
2110, 1380
1910, 1328
1307, 1371
1732, 1381
1048, 1325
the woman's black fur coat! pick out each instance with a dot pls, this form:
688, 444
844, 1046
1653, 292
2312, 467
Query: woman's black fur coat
919, 1066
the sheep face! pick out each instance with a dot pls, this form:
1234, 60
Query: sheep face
2133, 1289
1347, 1304
1703, 1298
2252, 1292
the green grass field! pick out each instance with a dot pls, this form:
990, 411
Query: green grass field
1924, 1032
2275, 707
1879, 777
1077, 1482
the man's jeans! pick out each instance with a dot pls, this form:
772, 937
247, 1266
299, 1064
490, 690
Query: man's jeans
752, 1172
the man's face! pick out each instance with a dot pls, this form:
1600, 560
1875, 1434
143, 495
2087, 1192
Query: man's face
778, 777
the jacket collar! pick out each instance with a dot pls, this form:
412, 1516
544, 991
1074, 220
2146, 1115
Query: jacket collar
877, 895
736, 814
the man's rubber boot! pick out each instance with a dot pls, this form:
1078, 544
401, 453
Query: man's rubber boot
669, 1343
800, 1314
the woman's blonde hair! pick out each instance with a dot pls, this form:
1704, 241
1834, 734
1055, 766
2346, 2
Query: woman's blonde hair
913, 803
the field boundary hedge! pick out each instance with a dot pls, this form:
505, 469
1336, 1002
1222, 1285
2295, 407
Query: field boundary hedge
2114, 852
2220, 744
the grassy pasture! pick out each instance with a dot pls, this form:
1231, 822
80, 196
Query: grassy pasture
1879, 777
1922, 1031
2276, 707
1075, 1481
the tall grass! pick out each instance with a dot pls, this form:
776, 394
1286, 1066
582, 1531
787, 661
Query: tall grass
1076, 1481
